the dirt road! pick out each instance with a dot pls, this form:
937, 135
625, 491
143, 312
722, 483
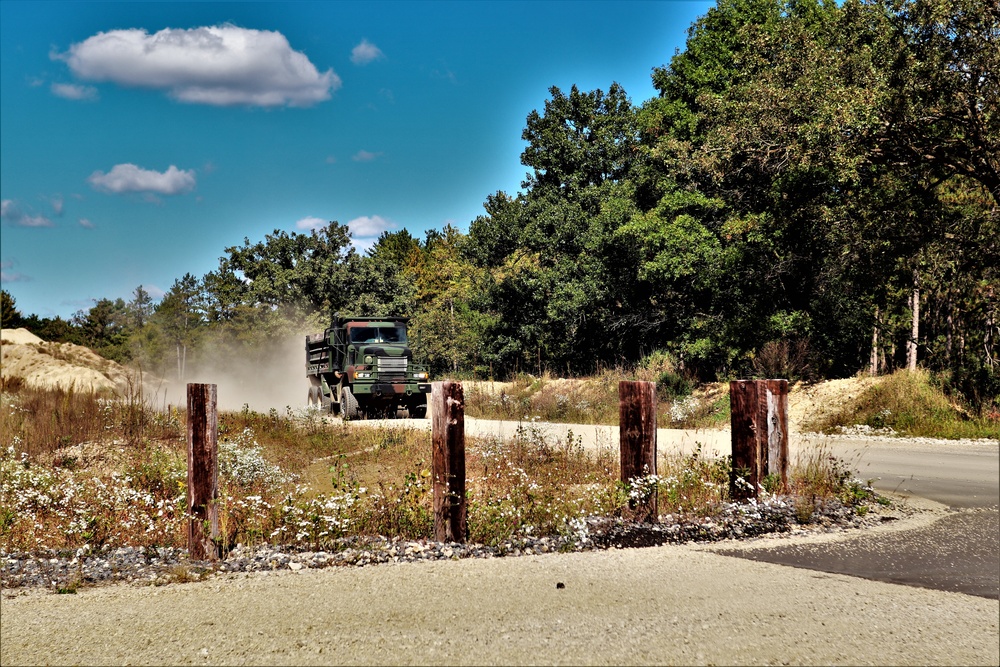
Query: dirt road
665, 605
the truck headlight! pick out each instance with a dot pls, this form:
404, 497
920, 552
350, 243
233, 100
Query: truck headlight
420, 376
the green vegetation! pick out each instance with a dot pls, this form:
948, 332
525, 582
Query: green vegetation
295, 479
813, 192
913, 404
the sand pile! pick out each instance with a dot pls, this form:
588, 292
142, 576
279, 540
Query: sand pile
51, 365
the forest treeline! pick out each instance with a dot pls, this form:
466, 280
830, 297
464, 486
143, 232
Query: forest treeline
812, 193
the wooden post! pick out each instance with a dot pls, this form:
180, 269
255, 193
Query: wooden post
759, 422
448, 469
777, 431
637, 436
203, 471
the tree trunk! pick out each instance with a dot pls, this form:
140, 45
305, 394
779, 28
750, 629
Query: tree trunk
950, 320
911, 345
873, 361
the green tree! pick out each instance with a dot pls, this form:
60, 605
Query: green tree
104, 328
445, 326
555, 295
180, 319
10, 317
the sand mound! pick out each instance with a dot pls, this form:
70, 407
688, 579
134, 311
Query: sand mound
19, 336
57, 365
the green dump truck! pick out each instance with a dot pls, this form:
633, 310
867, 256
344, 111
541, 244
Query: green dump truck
363, 367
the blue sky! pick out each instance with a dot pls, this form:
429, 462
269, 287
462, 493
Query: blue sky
139, 140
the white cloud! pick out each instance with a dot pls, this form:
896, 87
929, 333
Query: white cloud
366, 226
330, 159
86, 223
217, 65
365, 156
12, 213
366, 52
130, 178
8, 276
310, 222
58, 204
72, 91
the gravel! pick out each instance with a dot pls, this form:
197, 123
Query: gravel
67, 572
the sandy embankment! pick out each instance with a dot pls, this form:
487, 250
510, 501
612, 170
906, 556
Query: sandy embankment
62, 365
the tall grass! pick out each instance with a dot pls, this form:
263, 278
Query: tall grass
111, 489
911, 403
595, 400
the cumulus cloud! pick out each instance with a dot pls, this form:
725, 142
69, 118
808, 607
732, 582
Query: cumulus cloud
367, 226
73, 91
216, 65
86, 223
11, 213
125, 178
364, 156
366, 52
310, 222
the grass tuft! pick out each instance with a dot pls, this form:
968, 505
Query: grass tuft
910, 403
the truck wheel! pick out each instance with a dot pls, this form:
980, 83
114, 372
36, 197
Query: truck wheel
349, 404
311, 401
419, 411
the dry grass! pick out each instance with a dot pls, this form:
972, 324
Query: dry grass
111, 472
595, 400
912, 404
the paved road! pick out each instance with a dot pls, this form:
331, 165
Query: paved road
959, 474
960, 552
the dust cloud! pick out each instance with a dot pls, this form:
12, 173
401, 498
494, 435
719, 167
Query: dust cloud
263, 378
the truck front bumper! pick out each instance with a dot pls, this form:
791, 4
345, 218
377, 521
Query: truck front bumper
390, 390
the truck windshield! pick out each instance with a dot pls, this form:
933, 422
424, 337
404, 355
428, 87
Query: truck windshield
378, 335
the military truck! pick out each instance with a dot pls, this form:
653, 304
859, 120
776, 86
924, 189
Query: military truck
363, 367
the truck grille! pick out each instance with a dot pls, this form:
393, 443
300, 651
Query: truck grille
391, 368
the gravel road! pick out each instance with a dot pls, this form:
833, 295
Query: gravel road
662, 605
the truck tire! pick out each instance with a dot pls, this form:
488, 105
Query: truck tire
349, 404
311, 401
419, 410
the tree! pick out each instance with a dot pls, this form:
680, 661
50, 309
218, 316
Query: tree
180, 317
444, 324
10, 317
105, 328
555, 294
139, 309
311, 271
943, 110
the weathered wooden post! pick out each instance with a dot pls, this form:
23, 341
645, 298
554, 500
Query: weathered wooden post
759, 422
203, 471
777, 431
448, 468
637, 436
